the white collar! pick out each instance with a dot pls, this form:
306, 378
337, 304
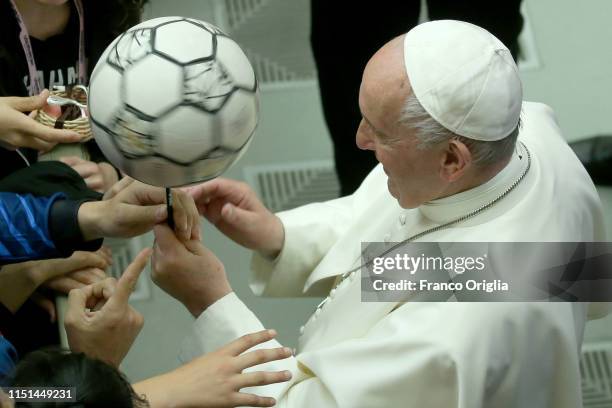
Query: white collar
452, 207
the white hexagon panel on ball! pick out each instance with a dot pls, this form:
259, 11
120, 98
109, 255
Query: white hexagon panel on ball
187, 133
153, 85
196, 41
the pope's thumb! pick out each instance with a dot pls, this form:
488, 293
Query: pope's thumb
237, 217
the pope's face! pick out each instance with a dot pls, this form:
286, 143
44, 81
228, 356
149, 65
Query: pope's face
414, 175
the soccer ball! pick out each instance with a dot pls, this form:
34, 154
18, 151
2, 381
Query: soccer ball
173, 101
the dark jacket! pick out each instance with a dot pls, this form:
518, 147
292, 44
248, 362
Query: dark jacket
8, 360
39, 213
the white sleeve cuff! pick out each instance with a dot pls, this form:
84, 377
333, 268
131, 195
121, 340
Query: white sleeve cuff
224, 321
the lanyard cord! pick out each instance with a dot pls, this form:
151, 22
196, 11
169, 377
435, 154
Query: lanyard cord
24, 38
465, 217
453, 222
35, 85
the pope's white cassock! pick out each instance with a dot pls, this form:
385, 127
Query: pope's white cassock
417, 354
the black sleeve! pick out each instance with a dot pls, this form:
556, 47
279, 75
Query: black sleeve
6, 319
64, 228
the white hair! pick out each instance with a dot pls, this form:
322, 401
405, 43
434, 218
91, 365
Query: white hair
430, 133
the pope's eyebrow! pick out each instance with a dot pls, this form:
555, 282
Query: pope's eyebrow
377, 131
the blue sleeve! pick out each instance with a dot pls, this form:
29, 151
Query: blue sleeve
8, 360
24, 227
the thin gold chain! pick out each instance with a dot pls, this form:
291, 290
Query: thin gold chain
450, 223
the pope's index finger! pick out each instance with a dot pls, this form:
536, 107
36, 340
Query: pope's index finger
206, 190
127, 282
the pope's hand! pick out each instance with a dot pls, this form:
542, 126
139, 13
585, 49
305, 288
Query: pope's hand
187, 271
131, 208
233, 207
99, 321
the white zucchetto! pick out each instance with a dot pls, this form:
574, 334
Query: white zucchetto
465, 78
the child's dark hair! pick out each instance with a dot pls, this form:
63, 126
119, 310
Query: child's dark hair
96, 383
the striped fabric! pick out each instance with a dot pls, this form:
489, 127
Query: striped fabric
24, 227
8, 360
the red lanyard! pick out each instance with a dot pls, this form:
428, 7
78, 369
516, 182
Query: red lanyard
24, 38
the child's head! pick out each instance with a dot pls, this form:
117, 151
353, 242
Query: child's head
96, 383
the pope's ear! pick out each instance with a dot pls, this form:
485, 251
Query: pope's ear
456, 160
